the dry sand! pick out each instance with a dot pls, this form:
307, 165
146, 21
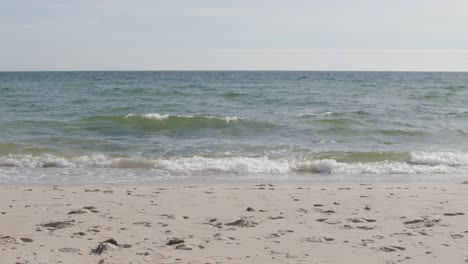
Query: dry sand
175, 223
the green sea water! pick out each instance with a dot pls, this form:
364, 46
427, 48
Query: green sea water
85, 127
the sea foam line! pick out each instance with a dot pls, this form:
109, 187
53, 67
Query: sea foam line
418, 163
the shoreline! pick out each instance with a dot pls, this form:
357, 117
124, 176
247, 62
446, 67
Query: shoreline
310, 180
235, 223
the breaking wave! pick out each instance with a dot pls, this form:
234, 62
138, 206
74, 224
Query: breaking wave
439, 158
417, 163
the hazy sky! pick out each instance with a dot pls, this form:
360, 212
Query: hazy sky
233, 35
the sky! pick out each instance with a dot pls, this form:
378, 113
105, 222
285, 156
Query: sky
375, 35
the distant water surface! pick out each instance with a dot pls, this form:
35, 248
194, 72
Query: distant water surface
98, 127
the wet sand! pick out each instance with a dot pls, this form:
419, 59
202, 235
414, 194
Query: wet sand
235, 223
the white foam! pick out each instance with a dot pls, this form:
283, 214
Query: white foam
317, 114
156, 116
29, 161
439, 158
231, 118
245, 165
226, 165
87, 161
330, 166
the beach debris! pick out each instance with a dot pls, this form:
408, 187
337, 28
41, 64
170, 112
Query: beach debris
273, 235
4, 240
183, 247
250, 209
170, 216
454, 214
365, 227
79, 211
420, 223
215, 223
355, 220
399, 248
69, 250
92, 190
264, 185
143, 223
25, 239
392, 248
403, 234
360, 220
175, 241
108, 245
243, 222
91, 208
279, 233
329, 221
423, 232
104, 246
275, 217
58, 224
318, 239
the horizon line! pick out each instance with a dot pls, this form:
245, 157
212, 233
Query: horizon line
237, 70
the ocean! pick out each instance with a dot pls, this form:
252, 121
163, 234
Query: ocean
138, 127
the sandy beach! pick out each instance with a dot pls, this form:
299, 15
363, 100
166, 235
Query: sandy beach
235, 223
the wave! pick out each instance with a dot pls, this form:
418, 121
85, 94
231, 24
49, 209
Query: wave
7, 148
439, 158
157, 121
86, 161
333, 113
401, 132
129, 125
157, 116
150, 116
417, 163
318, 114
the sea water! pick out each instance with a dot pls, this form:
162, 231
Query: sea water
104, 127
